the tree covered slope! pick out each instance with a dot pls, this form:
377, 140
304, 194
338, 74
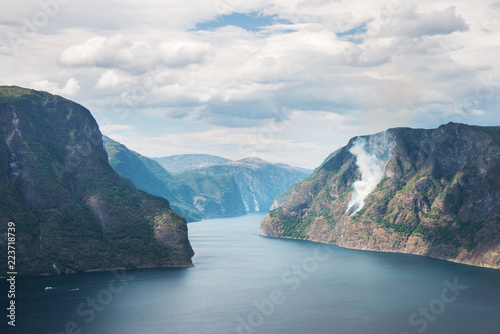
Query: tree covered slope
72, 211
429, 192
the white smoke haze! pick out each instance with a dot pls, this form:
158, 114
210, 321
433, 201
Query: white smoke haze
371, 169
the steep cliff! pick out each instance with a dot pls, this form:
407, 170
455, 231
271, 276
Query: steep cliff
258, 181
72, 212
429, 192
214, 195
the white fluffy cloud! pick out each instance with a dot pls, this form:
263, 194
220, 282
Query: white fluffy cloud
70, 88
120, 52
377, 63
111, 78
301, 138
406, 22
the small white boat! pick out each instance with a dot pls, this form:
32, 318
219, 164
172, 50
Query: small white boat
48, 288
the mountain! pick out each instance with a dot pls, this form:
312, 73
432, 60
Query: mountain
193, 195
188, 162
304, 170
72, 212
149, 176
216, 196
429, 192
258, 181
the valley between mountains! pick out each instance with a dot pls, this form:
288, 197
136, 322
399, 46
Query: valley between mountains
82, 201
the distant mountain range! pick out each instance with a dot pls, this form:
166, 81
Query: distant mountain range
191, 194
259, 181
72, 212
205, 186
187, 162
429, 192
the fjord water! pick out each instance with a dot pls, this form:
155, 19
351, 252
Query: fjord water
245, 283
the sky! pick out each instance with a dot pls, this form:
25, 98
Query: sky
288, 81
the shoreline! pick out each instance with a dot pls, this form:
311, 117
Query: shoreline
387, 251
105, 270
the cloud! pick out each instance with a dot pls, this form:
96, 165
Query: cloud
111, 79
371, 65
70, 88
312, 3
410, 23
116, 127
477, 112
117, 51
304, 138
232, 75
183, 52
121, 52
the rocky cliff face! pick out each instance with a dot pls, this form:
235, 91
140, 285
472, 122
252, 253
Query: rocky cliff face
258, 181
428, 192
71, 210
214, 195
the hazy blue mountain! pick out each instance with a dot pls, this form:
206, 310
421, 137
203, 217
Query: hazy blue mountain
258, 181
191, 194
216, 195
187, 162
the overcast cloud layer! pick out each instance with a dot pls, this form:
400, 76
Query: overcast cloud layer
289, 81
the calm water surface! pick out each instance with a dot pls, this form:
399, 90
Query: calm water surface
245, 283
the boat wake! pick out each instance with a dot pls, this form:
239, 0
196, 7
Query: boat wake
47, 288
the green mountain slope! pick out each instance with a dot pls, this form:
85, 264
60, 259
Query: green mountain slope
192, 194
148, 175
429, 192
71, 210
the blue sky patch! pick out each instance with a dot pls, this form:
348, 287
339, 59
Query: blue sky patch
250, 22
353, 35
